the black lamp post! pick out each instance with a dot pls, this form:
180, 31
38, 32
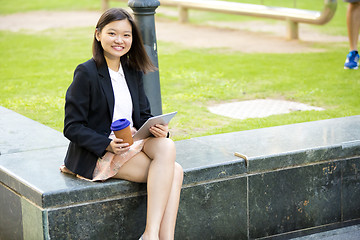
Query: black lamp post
144, 11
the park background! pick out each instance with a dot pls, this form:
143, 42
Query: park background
36, 67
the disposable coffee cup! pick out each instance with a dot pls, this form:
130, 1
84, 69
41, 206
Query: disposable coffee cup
121, 129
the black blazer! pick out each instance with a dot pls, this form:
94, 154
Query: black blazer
89, 110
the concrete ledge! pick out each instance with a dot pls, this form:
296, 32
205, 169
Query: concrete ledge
298, 177
37, 201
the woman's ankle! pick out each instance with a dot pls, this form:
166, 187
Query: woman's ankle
149, 236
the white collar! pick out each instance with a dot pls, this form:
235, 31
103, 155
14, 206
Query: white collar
114, 74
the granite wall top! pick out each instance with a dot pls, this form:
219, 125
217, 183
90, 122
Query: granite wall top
31, 154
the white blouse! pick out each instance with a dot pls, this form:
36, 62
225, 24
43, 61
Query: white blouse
123, 103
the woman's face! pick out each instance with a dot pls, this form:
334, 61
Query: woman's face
116, 39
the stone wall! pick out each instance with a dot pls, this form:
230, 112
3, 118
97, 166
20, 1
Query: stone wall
296, 178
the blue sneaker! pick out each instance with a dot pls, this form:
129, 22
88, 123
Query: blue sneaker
352, 60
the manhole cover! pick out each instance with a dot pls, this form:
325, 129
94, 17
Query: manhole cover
259, 108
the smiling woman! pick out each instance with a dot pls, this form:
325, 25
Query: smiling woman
109, 87
116, 40
113, 33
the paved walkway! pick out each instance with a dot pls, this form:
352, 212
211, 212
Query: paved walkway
249, 37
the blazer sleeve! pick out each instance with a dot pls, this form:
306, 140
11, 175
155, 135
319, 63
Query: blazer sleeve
77, 126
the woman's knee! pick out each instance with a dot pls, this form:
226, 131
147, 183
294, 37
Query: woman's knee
178, 172
167, 148
167, 143
160, 147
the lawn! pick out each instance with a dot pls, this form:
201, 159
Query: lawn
36, 69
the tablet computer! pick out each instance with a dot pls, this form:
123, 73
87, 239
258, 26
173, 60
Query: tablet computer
144, 132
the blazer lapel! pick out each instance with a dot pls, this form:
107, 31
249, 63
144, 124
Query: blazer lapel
105, 82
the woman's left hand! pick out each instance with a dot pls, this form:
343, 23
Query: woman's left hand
159, 130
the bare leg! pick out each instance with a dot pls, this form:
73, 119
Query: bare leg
160, 178
167, 227
155, 165
353, 24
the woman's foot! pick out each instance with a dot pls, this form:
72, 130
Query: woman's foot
66, 170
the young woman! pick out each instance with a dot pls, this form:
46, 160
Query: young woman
109, 87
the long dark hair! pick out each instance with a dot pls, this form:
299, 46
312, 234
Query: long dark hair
137, 57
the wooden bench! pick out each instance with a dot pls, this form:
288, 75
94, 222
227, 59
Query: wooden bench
292, 16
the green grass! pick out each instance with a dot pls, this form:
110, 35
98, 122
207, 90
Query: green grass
196, 79
35, 73
36, 69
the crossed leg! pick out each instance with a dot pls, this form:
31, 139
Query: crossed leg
156, 165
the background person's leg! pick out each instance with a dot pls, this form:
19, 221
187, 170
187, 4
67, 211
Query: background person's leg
353, 24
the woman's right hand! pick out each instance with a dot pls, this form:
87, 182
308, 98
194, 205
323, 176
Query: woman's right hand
117, 146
